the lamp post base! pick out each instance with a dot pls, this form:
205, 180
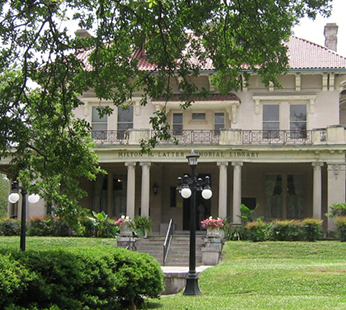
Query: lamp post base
191, 288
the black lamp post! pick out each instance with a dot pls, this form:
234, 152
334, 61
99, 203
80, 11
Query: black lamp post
188, 188
13, 198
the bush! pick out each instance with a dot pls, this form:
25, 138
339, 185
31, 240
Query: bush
89, 229
61, 228
286, 230
312, 229
337, 209
341, 227
83, 278
281, 230
9, 227
40, 226
257, 231
13, 280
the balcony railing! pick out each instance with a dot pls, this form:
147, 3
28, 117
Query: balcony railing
189, 137
213, 137
276, 137
110, 137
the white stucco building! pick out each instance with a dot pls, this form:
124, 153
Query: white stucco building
281, 149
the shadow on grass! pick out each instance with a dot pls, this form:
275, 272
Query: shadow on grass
153, 305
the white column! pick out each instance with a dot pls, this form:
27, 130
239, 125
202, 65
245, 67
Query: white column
130, 195
317, 190
336, 188
110, 195
222, 189
236, 191
145, 193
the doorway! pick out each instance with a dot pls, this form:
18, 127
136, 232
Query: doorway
203, 208
284, 196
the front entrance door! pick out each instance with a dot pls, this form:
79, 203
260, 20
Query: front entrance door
202, 208
284, 196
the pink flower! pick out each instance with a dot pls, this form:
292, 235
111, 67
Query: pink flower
210, 222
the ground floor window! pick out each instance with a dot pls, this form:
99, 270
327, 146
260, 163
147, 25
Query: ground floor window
284, 196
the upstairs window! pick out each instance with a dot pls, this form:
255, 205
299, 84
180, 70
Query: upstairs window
125, 121
198, 116
219, 122
271, 121
298, 121
177, 124
98, 125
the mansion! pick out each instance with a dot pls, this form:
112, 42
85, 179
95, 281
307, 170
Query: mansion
282, 150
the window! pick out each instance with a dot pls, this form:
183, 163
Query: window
219, 122
177, 124
271, 121
284, 196
198, 116
298, 121
99, 125
125, 121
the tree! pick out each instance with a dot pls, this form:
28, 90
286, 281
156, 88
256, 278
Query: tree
177, 37
4, 184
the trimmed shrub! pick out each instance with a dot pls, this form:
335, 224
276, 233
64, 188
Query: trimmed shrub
13, 280
83, 278
40, 226
61, 228
286, 230
257, 231
341, 227
9, 227
312, 229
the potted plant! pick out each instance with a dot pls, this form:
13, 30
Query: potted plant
126, 225
143, 225
213, 226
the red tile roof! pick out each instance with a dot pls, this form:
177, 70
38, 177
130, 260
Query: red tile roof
302, 55
307, 55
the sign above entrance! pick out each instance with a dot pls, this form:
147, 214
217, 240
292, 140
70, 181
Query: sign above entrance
182, 155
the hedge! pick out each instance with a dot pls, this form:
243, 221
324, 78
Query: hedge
73, 279
54, 226
280, 230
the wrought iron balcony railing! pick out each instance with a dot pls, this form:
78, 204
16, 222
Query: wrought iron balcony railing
213, 137
276, 137
189, 137
109, 137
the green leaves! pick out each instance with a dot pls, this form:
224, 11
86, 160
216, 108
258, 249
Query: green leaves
136, 48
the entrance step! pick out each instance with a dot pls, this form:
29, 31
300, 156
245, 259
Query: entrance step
178, 254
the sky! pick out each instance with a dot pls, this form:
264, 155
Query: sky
313, 30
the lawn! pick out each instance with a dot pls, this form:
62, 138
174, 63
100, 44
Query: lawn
271, 275
264, 275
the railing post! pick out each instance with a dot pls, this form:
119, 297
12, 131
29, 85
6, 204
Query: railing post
136, 135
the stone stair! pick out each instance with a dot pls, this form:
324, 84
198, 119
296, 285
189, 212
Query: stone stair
178, 254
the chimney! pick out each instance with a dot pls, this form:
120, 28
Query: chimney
82, 33
330, 33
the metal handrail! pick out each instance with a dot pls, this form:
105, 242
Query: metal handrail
168, 239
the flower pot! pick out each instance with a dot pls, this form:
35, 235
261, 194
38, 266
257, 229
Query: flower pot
125, 230
213, 231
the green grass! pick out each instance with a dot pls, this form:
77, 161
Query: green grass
270, 275
265, 275
43, 243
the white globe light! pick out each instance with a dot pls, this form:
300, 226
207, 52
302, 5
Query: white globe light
13, 197
33, 198
207, 193
186, 192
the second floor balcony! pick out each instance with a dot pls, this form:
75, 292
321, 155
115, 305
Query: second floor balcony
331, 135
